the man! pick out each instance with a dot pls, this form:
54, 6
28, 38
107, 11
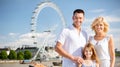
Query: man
72, 40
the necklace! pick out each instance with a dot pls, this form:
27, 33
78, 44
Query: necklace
99, 37
88, 62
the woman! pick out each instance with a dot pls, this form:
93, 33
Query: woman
103, 42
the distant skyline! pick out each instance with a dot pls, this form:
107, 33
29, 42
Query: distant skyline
15, 19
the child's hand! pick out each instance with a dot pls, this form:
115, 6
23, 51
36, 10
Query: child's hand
78, 60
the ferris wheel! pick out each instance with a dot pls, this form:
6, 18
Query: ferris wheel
34, 19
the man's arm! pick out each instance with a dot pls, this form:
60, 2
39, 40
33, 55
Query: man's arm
59, 49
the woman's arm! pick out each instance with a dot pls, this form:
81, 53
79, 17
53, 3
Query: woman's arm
112, 52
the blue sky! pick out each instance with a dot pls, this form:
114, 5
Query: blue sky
15, 19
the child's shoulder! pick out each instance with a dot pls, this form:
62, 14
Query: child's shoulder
95, 63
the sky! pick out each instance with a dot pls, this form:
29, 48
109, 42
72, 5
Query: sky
16, 18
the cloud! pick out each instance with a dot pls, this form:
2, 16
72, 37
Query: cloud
117, 42
25, 39
89, 19
17, 40
114, 30
12, 34
112, 18
107, 18
97, 10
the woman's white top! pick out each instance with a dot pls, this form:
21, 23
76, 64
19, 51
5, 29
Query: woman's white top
101, 47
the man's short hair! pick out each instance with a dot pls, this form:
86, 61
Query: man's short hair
79, 11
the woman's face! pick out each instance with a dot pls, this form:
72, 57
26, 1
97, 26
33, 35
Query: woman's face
88, 53
99, 28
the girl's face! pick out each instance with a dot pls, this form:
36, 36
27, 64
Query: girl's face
99, 28
88, 53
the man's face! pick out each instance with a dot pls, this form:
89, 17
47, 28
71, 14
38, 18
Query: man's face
78, 19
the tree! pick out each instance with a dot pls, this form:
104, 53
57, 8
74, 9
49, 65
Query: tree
20, 55
12, 55
27, 54
3, 55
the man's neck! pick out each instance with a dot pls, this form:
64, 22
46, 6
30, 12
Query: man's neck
77, 27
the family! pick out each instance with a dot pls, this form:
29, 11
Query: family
79, 49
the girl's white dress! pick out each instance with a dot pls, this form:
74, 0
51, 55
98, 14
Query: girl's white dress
92, 65
102, 50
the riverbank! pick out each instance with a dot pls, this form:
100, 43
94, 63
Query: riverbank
9, 61
15, 63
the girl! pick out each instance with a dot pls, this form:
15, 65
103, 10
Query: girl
89, 56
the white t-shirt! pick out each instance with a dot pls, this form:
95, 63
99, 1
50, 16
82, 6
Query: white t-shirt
72, 43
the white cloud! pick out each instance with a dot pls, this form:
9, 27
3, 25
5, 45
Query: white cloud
17, 40
112, 19
114, 30
117, 42
12, 34
25, 39
107, 18
89, 19
97, 10
113, 16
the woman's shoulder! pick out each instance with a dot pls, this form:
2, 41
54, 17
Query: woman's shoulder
109, 36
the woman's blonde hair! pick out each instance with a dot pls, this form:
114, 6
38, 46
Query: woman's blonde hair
100, 20
94, 56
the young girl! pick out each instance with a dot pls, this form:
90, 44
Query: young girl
89, 56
